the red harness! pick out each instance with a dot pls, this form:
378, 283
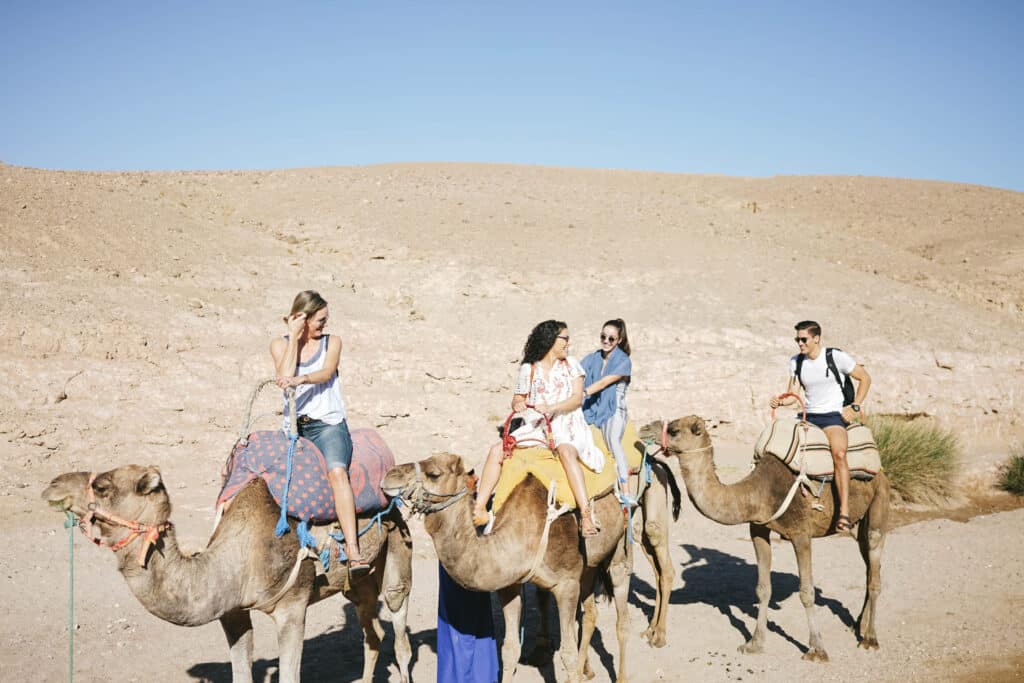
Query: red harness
150, 532
509, 442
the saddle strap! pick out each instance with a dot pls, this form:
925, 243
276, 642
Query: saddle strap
554, 512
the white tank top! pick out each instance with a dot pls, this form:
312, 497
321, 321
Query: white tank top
323, 401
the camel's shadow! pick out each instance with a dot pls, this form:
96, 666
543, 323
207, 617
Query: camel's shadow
335, 655
725, 581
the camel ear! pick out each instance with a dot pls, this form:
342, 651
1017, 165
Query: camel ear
149, 482
697, 428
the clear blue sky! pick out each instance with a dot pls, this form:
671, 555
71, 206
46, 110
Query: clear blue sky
909, 89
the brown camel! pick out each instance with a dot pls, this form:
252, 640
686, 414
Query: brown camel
757, 497
502, 561
243, 567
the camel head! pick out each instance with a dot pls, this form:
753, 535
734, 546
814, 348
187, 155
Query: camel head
428, 485
686, 436
131, 492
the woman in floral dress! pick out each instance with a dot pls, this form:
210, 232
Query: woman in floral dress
550, 381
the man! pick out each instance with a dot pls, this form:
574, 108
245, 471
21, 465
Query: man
823, 391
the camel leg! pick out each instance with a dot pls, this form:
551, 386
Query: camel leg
567, 597
620, 571
655, 544
588, 625
815, 645
761, 536
396, 584
290, 618
237, 627
871, 538
364, 594
511, 604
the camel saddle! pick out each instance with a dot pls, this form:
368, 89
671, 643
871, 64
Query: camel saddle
310, 498
793, 442
543, 464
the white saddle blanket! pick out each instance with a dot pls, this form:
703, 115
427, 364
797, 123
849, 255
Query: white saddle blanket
785, 439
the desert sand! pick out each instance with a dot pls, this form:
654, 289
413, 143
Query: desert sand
137, 310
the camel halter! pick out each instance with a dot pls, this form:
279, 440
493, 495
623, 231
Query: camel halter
150, 532
424, 502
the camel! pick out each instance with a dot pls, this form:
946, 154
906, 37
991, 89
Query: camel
515, 553
243, 567
757, 497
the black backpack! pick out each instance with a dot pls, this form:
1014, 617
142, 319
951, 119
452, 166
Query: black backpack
845, 382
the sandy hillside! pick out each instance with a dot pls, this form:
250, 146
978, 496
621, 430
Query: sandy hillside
137, 310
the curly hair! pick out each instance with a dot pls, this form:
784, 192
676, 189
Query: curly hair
541, 339
620, 325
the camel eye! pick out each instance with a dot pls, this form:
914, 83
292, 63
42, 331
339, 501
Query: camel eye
432, 474
696, 429
101, 487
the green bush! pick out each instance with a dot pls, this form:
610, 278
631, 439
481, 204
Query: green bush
1011, 474
920, 459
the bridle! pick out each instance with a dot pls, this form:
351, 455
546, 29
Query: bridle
663, 446
424, 502
510, 443
150, 533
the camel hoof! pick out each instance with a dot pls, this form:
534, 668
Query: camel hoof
815, 656
751, 648
868, 644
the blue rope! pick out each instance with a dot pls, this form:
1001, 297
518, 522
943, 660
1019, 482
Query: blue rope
339, 537
282, 524
70, 521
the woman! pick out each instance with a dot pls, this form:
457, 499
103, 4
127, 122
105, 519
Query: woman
551, 381
307, 359
604, 398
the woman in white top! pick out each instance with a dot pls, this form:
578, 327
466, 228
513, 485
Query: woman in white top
551, 381
307, 359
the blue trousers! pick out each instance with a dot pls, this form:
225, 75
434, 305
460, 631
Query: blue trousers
467, 651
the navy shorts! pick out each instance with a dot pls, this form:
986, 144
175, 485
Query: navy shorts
334, 441
822, 420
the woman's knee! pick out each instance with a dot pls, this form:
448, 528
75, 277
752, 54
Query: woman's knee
338, 476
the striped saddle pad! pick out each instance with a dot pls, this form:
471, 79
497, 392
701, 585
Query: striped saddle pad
785, 439
309, 494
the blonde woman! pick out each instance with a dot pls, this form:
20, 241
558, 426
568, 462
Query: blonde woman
306, 359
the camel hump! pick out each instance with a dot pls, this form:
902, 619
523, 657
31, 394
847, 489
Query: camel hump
265, 455
788, 440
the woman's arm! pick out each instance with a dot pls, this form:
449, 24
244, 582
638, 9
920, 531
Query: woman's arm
330, 367
600, 384
568, 405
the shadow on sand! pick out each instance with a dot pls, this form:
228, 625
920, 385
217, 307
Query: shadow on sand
724, 581
335, 655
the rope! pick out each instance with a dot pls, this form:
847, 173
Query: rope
339, 537
554, 512
801, 478
70, 522
293, 437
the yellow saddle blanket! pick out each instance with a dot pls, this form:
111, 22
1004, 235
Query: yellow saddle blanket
786, 439
545, 466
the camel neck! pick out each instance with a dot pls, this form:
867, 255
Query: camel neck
726, 504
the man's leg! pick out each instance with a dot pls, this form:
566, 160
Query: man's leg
837, 443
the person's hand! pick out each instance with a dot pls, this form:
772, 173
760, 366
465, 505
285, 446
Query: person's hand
850, 415
285, 382
775, 402
297, 324
544, 408
518, 404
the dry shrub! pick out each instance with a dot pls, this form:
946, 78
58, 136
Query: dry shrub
920, 458
1011, 474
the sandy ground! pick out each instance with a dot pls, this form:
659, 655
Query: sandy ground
137, 310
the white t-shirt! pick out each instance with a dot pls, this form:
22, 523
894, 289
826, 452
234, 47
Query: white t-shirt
822, 391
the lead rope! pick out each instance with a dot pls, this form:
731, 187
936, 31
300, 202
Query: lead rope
70, 522
801, 477
554, 512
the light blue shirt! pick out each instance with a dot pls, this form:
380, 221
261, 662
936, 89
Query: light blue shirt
601, 406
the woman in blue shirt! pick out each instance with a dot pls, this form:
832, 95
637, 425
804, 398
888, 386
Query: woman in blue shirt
604, 394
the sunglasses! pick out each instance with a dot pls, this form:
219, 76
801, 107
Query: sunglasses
801, 340
605, 337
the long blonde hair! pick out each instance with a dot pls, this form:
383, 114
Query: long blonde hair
308, 302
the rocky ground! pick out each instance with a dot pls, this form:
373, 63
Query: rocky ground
137, 310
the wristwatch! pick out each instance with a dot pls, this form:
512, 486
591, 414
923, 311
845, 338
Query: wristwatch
856, 407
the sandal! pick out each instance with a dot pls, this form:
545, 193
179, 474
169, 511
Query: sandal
843, 524
588, 530
356, 564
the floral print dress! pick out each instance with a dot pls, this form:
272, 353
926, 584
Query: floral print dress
571, 427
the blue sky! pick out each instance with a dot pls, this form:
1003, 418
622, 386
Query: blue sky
907, 89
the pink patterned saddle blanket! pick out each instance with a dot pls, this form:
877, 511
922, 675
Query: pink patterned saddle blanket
309, 493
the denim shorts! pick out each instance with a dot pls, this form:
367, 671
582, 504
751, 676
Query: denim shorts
822, 420
334, 441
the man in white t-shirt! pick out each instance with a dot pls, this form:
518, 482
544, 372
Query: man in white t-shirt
823, 391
